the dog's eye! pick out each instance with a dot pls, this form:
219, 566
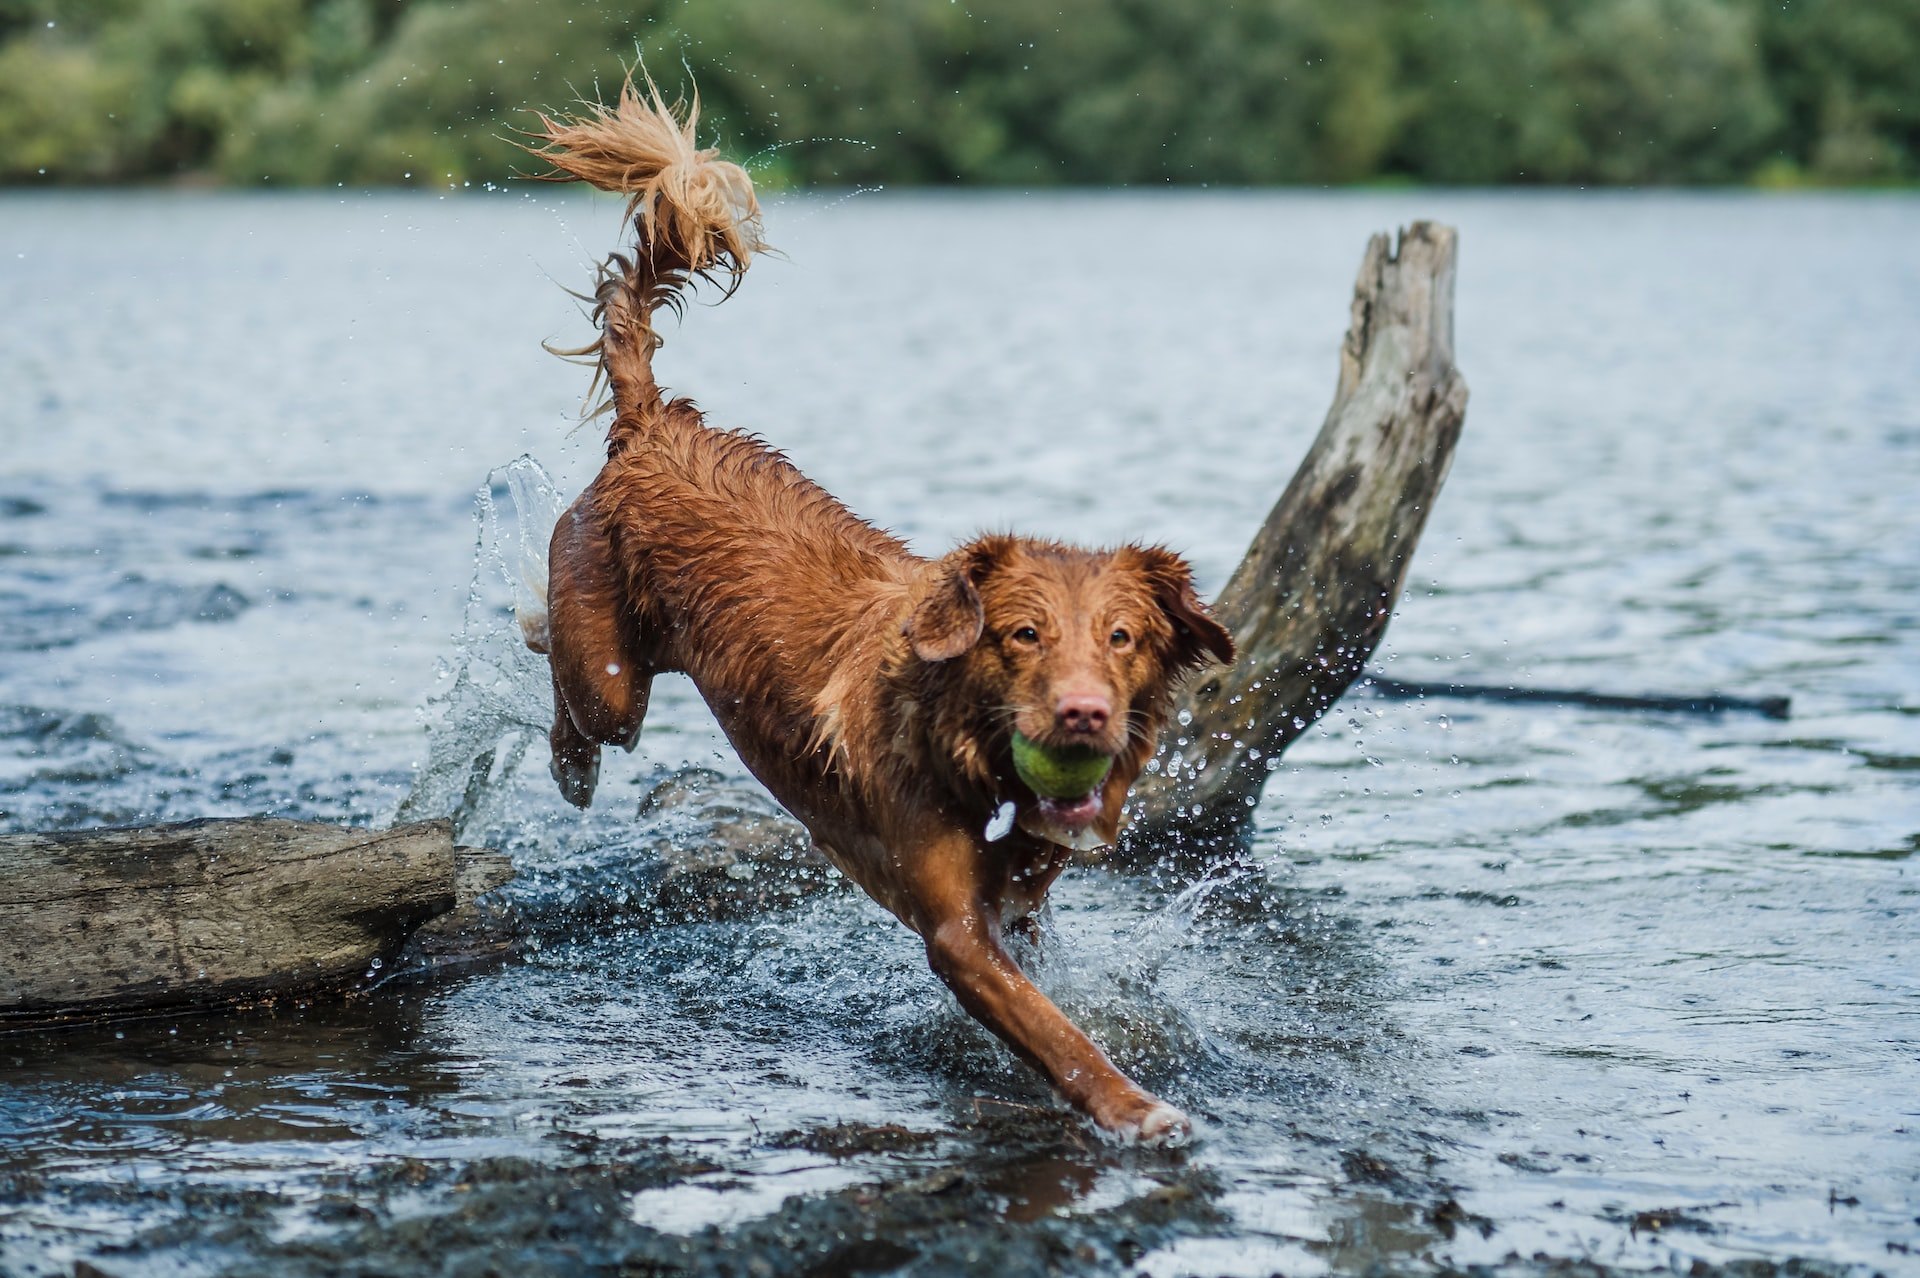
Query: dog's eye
1026, 634
1119, 638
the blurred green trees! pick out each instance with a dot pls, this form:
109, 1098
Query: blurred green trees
1026, 92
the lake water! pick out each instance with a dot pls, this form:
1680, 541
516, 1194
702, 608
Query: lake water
1508, 985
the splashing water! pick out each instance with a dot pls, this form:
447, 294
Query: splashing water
499, 698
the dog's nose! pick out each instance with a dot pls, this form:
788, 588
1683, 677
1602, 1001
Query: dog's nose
1082, 712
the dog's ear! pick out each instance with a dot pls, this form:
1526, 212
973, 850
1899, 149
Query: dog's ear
1196, 635
949, 618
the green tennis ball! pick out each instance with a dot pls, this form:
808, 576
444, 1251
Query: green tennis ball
1059, 772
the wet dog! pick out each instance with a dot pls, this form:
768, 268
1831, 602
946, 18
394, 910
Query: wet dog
949, 731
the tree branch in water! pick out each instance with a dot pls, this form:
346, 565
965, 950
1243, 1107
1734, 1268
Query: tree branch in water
1311, 599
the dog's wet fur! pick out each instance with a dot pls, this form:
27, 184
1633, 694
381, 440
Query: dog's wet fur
873, 692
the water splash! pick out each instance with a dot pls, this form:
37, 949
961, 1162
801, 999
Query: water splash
497, 698
763, 158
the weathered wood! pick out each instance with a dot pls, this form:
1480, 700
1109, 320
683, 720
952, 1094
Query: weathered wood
479, 931
1311, 599
96, 923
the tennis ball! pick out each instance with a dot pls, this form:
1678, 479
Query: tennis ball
1059, 772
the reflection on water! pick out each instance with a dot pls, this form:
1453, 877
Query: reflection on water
299, 1074
1498, 979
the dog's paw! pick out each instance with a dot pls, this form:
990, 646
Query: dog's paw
1148, 1121
576, 781
1165, 1127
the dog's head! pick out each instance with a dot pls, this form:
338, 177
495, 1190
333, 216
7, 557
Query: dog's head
1055, 666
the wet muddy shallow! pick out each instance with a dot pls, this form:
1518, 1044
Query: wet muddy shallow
1521, 987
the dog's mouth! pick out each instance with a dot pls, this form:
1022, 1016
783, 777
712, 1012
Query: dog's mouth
1073, 814
1071, 823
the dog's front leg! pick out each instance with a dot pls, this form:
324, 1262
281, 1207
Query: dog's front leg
965, 951
600, 682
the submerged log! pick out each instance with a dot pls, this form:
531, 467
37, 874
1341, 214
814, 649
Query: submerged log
102, 923
1697, 703
1311, 599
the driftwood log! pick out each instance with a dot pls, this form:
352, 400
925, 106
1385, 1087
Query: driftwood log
102, 923
1312, 597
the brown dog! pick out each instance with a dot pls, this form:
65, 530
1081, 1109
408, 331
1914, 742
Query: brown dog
878, 695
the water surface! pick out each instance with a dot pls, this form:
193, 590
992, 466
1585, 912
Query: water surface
1503, 981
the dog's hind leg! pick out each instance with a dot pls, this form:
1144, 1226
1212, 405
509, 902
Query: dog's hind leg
600, 681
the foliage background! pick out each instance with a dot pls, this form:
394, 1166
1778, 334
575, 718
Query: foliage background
1017, 92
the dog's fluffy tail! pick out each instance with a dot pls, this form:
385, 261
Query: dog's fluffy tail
693, 213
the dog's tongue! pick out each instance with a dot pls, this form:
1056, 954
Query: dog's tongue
1075, 814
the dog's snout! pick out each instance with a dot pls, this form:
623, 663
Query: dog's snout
1082, 712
